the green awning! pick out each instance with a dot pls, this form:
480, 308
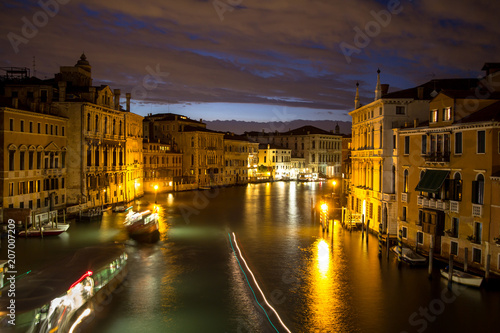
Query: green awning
432, 181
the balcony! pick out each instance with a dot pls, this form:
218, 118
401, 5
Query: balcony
442, 205
477, 210
389, 197
454, 207
53, 172
437, 157
420, 200
404, 197
438, 204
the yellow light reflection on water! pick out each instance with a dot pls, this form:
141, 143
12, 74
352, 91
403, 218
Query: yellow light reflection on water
325, 289
323, 258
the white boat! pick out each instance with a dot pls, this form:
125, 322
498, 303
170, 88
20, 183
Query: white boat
143, 226
409, 256
122, 208
463, 278
50, 229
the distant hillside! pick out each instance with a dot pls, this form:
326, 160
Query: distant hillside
239, 127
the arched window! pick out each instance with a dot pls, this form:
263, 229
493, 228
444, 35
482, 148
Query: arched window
114, 126
97, 123
478, 190
192, 159
88, 121
456, 187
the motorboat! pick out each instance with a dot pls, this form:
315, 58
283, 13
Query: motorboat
463, 278
409, 256
143, 226
60, 297
90, 215
49, 229
122, 208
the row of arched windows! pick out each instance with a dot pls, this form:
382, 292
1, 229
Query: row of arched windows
109, 127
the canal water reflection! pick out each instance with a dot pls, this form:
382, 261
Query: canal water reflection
190, 281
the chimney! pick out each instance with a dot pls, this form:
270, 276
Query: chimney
415, 122
357, 104
117, 99
201, 120
378, 88
420, 92
128, 96
62, 91
15, 102
385, 88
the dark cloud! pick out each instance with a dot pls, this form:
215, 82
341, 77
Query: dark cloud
260, 51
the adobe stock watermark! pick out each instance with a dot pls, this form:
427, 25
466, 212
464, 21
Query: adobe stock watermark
221, 6
30, 28
421, 319
363, 38
149, 82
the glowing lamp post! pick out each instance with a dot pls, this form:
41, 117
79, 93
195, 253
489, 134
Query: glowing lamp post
334, 184
324, 216
156, 192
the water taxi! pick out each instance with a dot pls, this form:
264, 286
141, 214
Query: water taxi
142, 226
60, 297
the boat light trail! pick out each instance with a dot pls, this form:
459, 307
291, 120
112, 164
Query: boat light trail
255, 281
89, 273
79, 320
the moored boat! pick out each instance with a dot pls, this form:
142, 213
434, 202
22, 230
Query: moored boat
49, 229
90, 215
409, 256
463, 278
142, 226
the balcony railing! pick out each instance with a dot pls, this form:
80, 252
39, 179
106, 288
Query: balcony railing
420, 200
438, 157
404, 197
454, 206
442, 205
433, 203
477, 210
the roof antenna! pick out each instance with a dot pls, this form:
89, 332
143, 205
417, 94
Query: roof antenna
34, 67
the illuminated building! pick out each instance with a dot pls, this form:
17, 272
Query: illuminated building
277, 161
202, 149
162, 167
237, 149
374, 152
320, 149
448, 169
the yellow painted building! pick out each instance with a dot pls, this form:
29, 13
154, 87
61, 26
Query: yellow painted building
162, 167
236, 159
446, 178
34, 170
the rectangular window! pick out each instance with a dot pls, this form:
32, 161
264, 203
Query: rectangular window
11, 160
454, 227
434, 116
62, 130
30, 204
30, 160
403, 218
371, 211
39, 160
31, 127
39, 128
46, 128
57, 130
11, 124
21, 188
38, 204
400, 110
478, 232
407, 145
21, 160
447, 114
51, 129
481, 142
22, 125
458, 143
394, 140
11, 189
404, 232
476, 255
424, 144
454, 248
21, 204
38, 187
420, 237
31, 188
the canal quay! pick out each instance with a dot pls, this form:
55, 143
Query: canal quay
194, 279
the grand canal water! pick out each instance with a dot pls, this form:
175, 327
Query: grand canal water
190, 281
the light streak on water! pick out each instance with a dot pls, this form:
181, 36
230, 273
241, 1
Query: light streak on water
258, 287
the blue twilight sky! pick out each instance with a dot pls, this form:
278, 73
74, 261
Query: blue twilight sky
255, 60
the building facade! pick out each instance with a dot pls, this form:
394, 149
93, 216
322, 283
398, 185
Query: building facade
236, 159
34, 146
447, 170
162, 167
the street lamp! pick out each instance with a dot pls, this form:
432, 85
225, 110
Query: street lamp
156, 192
334, 184
102, 200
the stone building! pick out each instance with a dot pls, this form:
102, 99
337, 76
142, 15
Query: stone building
237, 149
162, 166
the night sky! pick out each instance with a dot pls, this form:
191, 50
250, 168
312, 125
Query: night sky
255, 60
